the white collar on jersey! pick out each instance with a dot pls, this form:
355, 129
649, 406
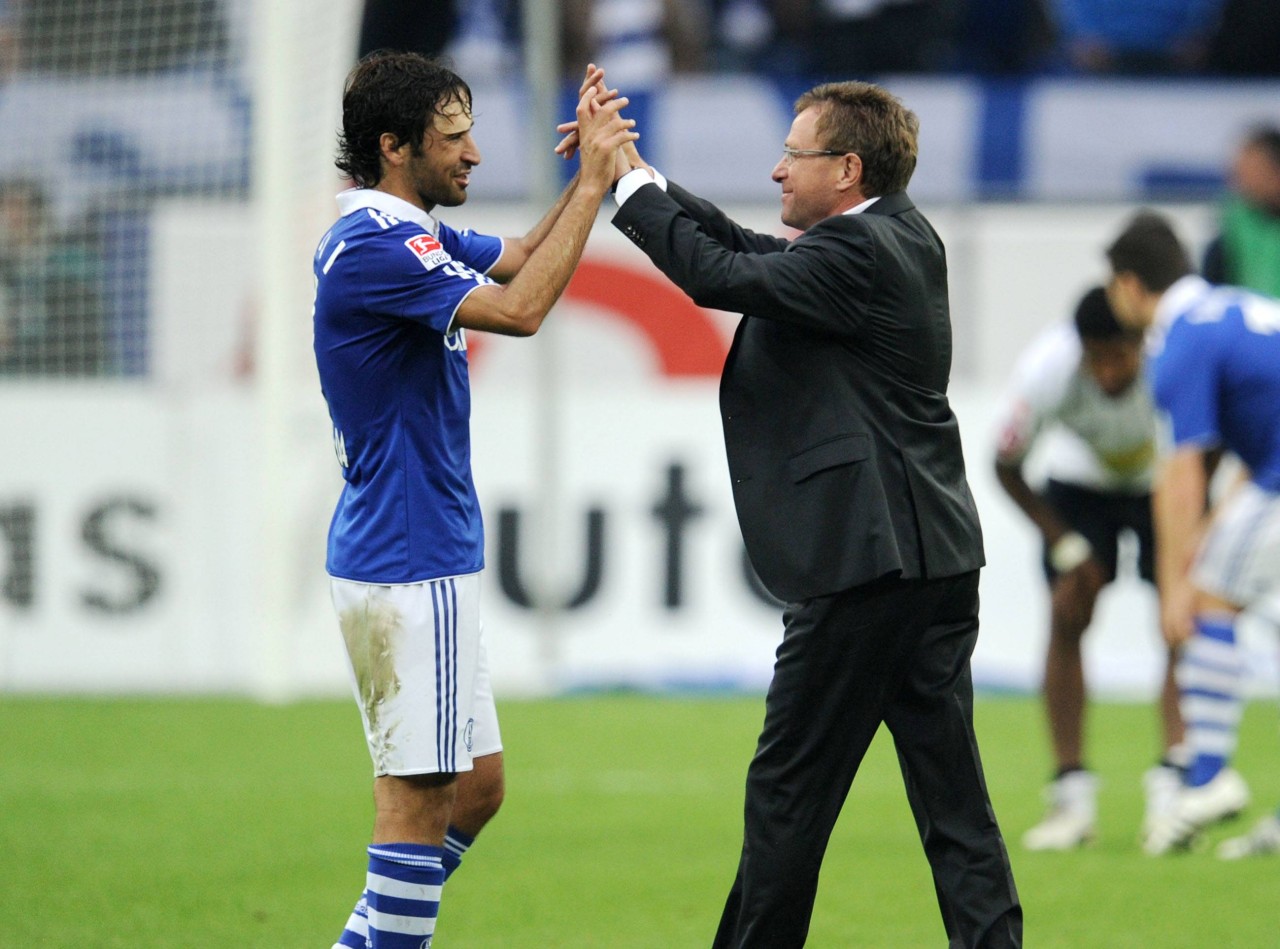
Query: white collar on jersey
353, 199
1182, 294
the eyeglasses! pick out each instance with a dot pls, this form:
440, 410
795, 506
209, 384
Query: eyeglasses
789, 155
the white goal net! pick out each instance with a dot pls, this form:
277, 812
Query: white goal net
166, 167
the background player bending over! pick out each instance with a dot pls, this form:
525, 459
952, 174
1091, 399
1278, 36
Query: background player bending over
1078, 391
1216, 374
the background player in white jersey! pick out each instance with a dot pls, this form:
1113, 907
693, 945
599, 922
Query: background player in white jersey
396, 291
1078, 393
1216, 374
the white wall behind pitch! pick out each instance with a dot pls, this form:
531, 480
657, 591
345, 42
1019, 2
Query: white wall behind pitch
186, 447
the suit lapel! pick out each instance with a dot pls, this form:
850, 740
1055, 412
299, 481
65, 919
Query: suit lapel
891, 204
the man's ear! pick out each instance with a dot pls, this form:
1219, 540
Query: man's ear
850, 172
393, 150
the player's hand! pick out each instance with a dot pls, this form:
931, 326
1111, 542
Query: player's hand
1177, 611
594, 79
568, 146
601, 132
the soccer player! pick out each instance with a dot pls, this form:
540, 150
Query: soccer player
396, 292
1078, 391
1216, 373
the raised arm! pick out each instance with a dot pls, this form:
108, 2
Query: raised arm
717, 224
822, 281
517, 250
519, 308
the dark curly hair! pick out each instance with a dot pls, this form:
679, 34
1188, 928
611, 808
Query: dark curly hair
394, 92
1095, 320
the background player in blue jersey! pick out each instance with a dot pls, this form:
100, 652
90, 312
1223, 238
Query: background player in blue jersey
1216, 374
1079, 400
396, 291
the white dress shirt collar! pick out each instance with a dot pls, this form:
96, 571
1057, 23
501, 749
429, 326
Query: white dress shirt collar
863, 206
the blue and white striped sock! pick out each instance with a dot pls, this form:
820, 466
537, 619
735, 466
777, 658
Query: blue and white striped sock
1209, 683
403, 893
356, 933
456, 843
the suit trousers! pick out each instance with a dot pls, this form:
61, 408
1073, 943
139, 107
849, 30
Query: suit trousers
892, 651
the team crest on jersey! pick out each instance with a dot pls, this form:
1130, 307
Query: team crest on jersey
429, 250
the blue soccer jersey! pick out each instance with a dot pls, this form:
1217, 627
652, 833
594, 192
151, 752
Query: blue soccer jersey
393, 369
1217, 375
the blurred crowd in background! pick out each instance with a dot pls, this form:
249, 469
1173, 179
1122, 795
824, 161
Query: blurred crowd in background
654, 38
646, 40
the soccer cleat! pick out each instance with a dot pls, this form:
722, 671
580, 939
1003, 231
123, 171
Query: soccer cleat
1262, 840
1161, 784
1225, 796
1073, 809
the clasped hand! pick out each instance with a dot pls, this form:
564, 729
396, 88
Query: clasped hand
595, 96
600, 130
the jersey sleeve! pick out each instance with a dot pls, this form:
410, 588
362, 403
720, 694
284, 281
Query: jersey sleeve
411, 275
1184, 382
478, 251
1036, 392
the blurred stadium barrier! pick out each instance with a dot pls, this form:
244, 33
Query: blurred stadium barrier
169, 478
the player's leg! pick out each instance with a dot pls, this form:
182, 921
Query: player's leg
1072, 794
1163, 780
1073, 597
1263, 839
482, 789
1238, 564
413, 661
480, 794
1210, 685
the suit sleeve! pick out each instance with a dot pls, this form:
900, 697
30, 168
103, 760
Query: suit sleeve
720, 228
821, 280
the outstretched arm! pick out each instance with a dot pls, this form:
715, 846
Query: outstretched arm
516, 250
519, 308
628, 159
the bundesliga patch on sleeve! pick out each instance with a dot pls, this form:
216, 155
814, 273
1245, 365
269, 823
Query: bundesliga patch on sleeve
428, 250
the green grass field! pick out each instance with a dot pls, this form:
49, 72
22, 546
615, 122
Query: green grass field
209, 823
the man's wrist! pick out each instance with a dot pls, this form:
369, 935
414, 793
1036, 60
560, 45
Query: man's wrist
634, 180
1069, 551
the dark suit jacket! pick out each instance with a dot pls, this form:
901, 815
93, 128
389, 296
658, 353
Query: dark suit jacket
843, 449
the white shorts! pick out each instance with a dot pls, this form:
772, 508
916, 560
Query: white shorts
419, 673
1239, 559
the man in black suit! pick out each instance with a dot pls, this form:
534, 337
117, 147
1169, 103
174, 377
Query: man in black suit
850, 488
